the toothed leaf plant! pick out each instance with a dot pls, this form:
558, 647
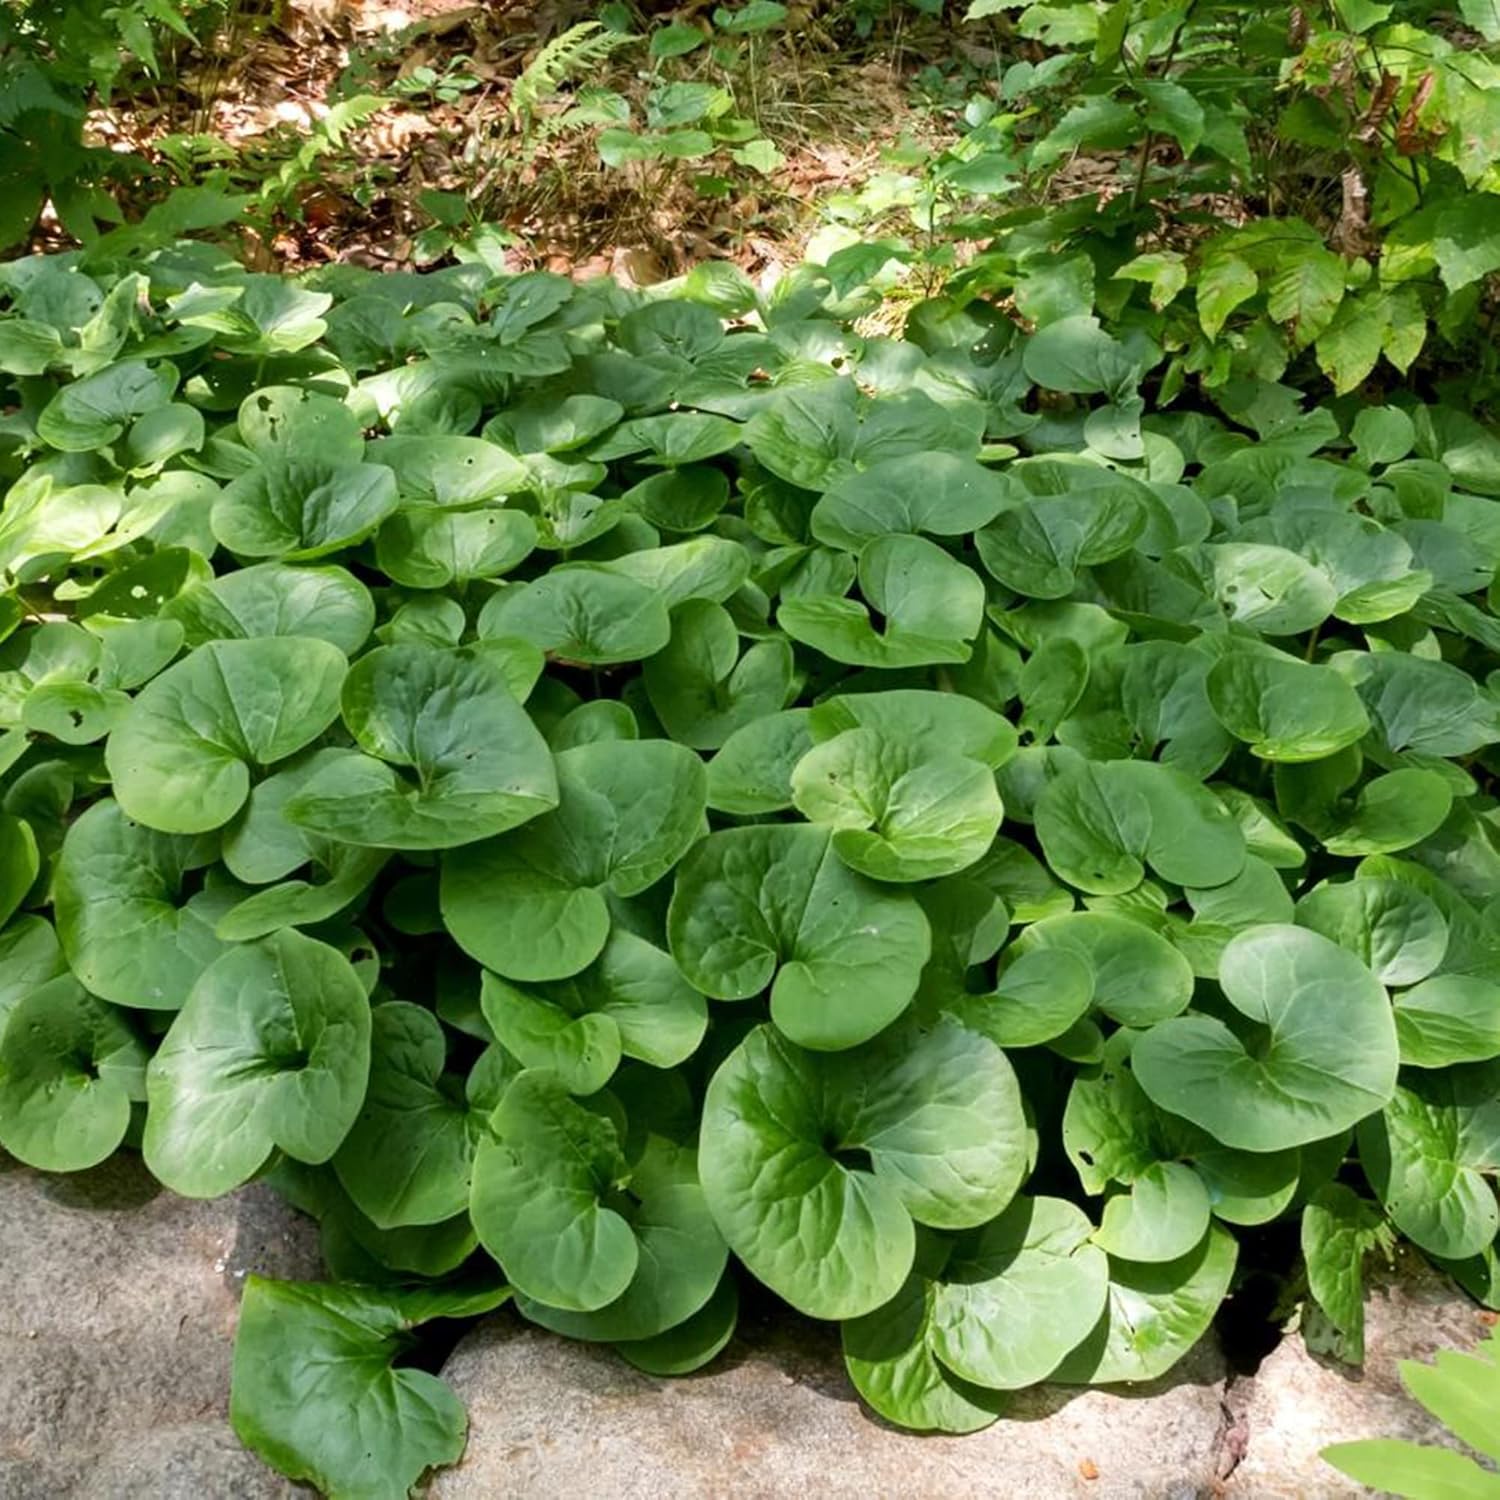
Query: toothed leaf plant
599, 806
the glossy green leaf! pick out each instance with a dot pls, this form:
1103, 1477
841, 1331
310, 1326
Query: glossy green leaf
775, 907
931, 607
408, 1155
272, 1049
1318, 1054
1431, 1154
449, 756
1155, 1314
1018, 1295
181, 754
938, 1115
1101, 825
316, 1391
70, 1067
531, 904
132, 930
541, 1185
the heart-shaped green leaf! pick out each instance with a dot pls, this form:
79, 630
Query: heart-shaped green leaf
937, 493
1017, 1295
408, 1155
774, 907
70, 1067
680, 1259
899, 811
931, 609
542, 1182
301, 509
317, 1394
181, 754
531, 904
1431, 1155
1101, 824
1318, 1054
631, 1001
1038, 547
1285, 710
272, 1049
1156, 1312
844, 1151
450, 756
581, 614
130, 935
700, 685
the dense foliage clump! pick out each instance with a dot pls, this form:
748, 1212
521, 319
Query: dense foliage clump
593, 803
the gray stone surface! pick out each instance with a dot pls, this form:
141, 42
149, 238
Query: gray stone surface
1298, 1402
119, 1301
777, 1417
118, 1307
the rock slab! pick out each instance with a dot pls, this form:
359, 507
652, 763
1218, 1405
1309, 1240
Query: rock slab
115, 1334
1298, 1402
776, 1417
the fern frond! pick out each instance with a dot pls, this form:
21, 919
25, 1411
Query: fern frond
573, 52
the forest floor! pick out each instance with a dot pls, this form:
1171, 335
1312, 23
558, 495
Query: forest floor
388, 128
